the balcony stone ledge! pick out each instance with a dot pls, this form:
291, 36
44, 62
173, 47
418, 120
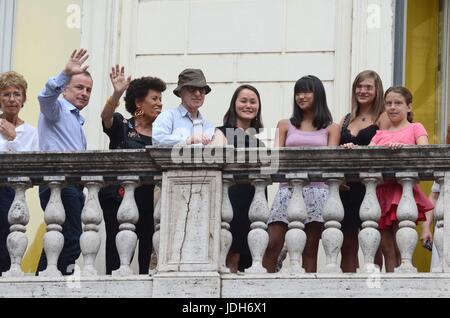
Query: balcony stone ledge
212, 285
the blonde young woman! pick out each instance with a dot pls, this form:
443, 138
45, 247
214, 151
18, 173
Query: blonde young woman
358, 128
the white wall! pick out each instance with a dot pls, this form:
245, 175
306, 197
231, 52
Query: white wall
373, 38
267, 43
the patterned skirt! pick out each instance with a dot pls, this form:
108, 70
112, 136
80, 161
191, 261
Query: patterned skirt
314, 196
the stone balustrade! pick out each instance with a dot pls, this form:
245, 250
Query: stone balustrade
192, 219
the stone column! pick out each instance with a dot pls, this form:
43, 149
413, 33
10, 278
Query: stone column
369, 212
439, 219
258, 239
127, 216
407, 214
190, 230
333, 214
54, 217
297, 213
227, 215
190, 221
91, 217
18, 218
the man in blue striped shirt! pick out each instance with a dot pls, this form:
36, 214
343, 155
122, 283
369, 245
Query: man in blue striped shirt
60, 128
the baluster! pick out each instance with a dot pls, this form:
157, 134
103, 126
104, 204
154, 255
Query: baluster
369, 212
157, 222
258, 239
333, 214
92, 217
18, 218
439, 219
295, 236
54, 217
407, 214
227, 215
127, 216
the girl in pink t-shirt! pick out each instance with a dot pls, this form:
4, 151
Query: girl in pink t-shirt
398, 105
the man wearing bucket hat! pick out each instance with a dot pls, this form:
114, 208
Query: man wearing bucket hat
185, 125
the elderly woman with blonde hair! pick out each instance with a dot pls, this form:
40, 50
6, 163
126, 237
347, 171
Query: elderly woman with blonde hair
15, 135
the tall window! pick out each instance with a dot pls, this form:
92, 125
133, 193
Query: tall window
7, 13
422, 47
422, 64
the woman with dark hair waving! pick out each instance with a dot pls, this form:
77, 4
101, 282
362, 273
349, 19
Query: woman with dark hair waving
311, 125
143, 101
240, 124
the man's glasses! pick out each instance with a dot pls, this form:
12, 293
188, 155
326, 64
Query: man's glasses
193, 89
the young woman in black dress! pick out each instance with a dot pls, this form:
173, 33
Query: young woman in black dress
240, 124
357, 128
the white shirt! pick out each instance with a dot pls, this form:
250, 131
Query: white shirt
175, 126
26, 140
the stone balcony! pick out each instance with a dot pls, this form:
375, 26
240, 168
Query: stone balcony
192, 221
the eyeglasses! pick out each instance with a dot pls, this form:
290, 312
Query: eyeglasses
193, 89
367, 88
14, 95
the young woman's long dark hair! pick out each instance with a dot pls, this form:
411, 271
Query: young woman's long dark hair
322, 115
230, 118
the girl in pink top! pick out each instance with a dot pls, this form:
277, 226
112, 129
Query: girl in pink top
311, 125
398, 105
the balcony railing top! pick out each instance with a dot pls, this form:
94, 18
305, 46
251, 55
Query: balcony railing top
150, 162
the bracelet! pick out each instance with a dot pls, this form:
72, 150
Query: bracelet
110, 103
